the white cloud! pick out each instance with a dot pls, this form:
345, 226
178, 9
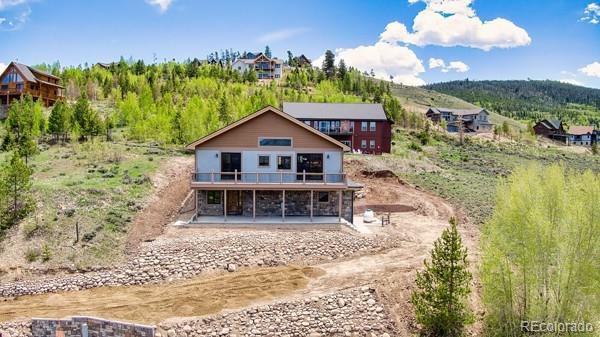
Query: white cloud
591, 13
2, 67
452, 23
436, 63
457, 66
162, 5
10, 3
384, 59
282, 34
571, 81
16, 20
592, 69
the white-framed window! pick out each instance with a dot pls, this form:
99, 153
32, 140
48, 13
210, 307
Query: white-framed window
276, 75
372, 143
264, 160
363, 143
372, 126
284, 162
347, 143
213, 197
363, 126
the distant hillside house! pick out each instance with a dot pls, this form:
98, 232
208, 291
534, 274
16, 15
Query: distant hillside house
581, 135
302, 61
266, 68
550, 128
363, 127
473, 120
19, 79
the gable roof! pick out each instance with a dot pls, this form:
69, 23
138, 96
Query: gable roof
458, 112
368, 111
581, 130
258, 113
29, 73
555, 123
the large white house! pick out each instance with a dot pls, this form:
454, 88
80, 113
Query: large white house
266, 68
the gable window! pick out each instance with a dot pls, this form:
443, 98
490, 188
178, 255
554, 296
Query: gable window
284, 162
372, 126
363, 143
372, 144
263, 161
363, 126
275, 142
213, 197
323, 196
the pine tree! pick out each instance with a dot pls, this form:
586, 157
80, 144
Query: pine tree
342, 70
443, 286
328, 66
15, 192
58, 122
268, 52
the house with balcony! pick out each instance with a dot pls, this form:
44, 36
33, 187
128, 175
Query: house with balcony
19, 79
270, 168
266, 68
471, 120
362, 127
581, 135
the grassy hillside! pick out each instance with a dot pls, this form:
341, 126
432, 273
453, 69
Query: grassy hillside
420, 99
529, 100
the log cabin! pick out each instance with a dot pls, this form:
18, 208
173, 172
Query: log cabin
19, 79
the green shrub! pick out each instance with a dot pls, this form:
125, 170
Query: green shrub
46, 253
32, 254
415, 147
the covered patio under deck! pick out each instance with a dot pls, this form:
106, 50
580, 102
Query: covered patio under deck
258, 206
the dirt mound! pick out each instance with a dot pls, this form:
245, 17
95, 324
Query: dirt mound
394, 208
154, 303
378, 174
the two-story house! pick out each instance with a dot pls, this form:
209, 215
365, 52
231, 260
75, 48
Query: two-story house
270, 168
581, 135
551, 128
266, 68
19, 79
472, 120
363, 127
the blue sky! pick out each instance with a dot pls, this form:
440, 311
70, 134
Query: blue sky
415, 41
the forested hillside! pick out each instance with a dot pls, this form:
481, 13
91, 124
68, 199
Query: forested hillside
529, 100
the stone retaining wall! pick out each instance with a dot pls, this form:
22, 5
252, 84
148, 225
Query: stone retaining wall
185, 257
355, 312
88, 327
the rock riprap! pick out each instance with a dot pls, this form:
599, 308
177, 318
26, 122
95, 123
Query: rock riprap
168, 259
353, 312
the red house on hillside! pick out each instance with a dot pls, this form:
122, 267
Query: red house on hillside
364, 127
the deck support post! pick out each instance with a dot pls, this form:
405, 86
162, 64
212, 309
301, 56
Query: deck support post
283, 206
253, 205
311, 205
225, 204
195, 204
340, 206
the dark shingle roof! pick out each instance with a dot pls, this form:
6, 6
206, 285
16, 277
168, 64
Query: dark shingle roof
29, 72
457, 112
369, 111
555, 123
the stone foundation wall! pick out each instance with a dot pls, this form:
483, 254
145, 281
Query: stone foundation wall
268, 203
297, 203
204, 208
77, 327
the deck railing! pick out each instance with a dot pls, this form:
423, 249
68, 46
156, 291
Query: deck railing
268, 178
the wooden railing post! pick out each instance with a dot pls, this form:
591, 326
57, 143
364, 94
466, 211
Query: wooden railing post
281, 177
304, 176
212, 176
325, 178
257, 177
235, 178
